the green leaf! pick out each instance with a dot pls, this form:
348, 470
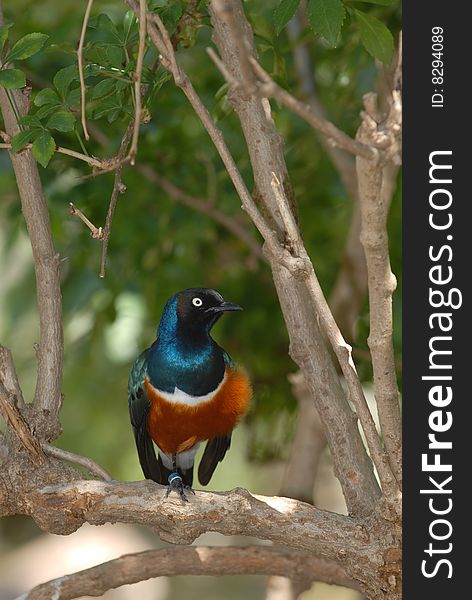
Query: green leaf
129, 22
46, 110
113, 115
63, 79
4, 34
43, 148
170, 13
21, 139
61, 120
103, 88
283, 13
46, 96
73, 98
115, 56
375, 36
30, 120
326, 18
27, 46
109, 104
12, 79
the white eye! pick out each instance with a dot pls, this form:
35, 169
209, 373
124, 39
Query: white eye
197, 302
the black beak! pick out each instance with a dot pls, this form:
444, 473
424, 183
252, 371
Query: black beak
223, 307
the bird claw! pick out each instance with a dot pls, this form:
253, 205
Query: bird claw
175, 483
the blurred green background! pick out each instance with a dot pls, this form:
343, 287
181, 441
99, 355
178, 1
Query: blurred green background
159, 246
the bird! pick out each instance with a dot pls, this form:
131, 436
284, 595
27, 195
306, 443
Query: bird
184, 390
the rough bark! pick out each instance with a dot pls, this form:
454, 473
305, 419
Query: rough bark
132, 568
382, 283
351, 543
47, 397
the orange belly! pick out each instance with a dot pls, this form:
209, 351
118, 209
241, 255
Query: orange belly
176, 427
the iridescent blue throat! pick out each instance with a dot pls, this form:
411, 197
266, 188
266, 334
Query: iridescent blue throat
185, 358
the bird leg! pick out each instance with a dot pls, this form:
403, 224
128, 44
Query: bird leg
175, 481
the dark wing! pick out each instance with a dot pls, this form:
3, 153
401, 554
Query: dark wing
139, 407
214, 453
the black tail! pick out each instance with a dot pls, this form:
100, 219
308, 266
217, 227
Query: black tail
215, 451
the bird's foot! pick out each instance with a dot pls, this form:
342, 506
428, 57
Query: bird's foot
176, 483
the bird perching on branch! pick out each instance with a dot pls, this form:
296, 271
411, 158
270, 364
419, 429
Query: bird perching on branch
185, 389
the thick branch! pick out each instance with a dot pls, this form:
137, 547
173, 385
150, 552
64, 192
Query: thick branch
47, 396
132, 568
382, 283
62, 509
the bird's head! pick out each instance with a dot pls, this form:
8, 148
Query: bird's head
195, 310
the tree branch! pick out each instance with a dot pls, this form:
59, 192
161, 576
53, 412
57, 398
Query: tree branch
203, 560
77, 459
90, 160
64, 508
270, 89
203, 206
137, 80
47, 398
118, 188
80, 59
382, 283
95, 232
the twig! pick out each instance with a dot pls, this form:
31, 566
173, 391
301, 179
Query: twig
169, 53
137, 80
269, 88
118, 188
80, 50
96, 233
202, 560
220, 65
88, 463
203, 206
93, 162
